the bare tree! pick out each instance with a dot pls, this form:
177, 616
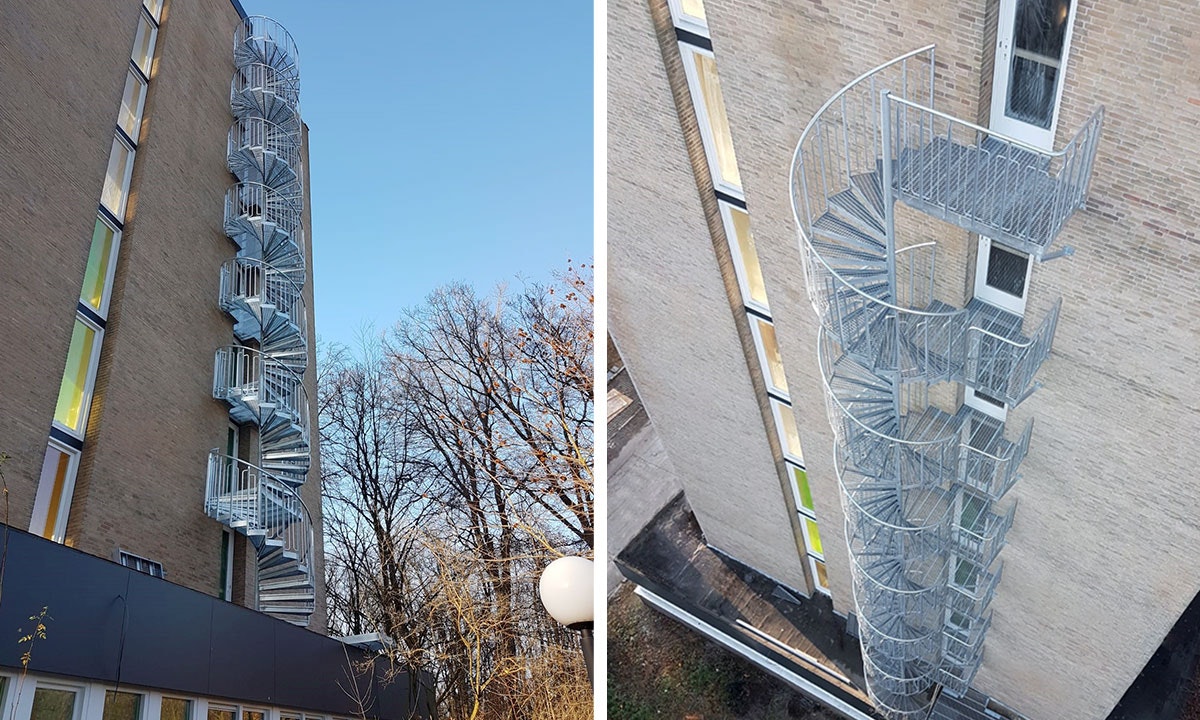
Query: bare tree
456, 462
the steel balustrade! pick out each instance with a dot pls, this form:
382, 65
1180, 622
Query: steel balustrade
920, 485
262, 288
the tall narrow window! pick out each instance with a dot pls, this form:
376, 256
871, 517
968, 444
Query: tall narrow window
226, 565
133, 100
785, 425
154, 7
803, 494
768, 354
116, 179
97, 279
745, 257
701, 69
75, 393
52, 503
143, 45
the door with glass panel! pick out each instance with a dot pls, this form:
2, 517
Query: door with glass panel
1032, 38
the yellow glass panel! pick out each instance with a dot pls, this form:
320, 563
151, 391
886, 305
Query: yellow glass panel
56, 465
774, 360
801, 479
813, 534
822, 575
718, 122
220, 714
74, 391
748, 256
174, 709
789, 437
96, 276
695, 8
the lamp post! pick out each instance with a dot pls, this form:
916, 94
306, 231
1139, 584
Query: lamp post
566, 590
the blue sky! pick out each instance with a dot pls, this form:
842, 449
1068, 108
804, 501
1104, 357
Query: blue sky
448, 142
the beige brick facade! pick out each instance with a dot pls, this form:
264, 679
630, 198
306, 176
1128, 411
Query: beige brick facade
1099, 563
140, 485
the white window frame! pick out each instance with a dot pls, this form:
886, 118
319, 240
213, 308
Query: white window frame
683, 21
804, 520
152, 24
41, 503
143, 704
106, 295
119, 212
812, 566
777, 408
688, 53
123, 555
89, 386
994, 296
24, 706
739, 268
227, 581
138, 112
763, 361
155, 15
791, 469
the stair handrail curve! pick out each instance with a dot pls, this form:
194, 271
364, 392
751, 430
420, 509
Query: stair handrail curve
249, 277
272, 205
802, 210
249, 368
261, 76
251, 483
252, 132
267, 29
1071, 177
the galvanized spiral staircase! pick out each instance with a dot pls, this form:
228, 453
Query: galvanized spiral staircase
261, 378
923, 487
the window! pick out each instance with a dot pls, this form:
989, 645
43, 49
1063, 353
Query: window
785, 426
226, 565
142, 565
972, 513
745, 257
254, 714
812, 537
689, 15
966, 575
820, 574
121, 705
75, 393
175, 709
1032, 42
221, 713
52, 503
132, 102
101, 264
116, 180
801, 491
1002, 276
54, 704
143, 45
768, 354
154, 7
701, 69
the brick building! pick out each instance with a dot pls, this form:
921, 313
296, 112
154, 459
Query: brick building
158, 373
848, 404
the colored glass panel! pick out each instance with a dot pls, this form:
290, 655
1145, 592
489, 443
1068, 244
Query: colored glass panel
748, 256
718, 122
774, 360
813, 535
74, 392
95, 278
800, 477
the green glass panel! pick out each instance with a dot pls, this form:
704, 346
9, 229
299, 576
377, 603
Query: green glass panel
74, 391
96, 276
814, 537
51, 704
801, 478
121, 705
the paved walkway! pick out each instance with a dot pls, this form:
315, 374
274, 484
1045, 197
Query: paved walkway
641, 478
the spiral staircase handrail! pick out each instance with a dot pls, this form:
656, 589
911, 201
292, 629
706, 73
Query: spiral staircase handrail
267, 28
275, 273
236, 206
827, 375
264, 478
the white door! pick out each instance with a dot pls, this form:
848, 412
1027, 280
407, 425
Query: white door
1032, 39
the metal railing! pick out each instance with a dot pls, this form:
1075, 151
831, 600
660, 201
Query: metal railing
1004, 368
248, 282
246, 497
256, 86
257, 135
247, 377
981, 544
990, 183
993, 469
262, 38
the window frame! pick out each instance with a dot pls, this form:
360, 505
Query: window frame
684, 21
764, 362
24, 707
124, 555
89, 387
227, 550
137, 77
153, 26
816, 576
778, 407
40, 517
691, 71
119, 137
793, 468
111, 271
739, 267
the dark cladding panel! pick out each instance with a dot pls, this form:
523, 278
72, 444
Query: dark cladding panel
85, 602
171, 623
242, 654
296, 654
